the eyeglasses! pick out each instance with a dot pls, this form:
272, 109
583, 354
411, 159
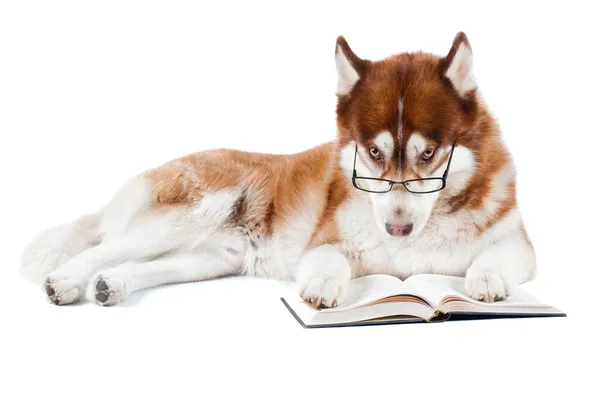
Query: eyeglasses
417, 185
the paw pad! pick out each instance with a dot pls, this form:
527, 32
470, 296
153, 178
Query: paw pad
50, 292
64, 291
108, 291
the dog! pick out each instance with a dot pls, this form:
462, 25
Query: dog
418, 180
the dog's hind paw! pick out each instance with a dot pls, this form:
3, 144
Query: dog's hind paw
62, 291
106, 290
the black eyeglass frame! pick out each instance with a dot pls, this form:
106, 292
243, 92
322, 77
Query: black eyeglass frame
403, 183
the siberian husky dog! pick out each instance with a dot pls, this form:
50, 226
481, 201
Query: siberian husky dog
418, 180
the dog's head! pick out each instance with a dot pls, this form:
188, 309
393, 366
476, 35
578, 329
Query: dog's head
399, 118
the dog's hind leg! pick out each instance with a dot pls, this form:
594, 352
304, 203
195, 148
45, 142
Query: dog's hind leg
54, 247
149, 238
167, 230
112, 286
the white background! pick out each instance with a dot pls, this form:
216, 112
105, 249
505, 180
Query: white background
92, 92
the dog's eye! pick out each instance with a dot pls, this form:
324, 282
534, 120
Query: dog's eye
375, 153
428, 154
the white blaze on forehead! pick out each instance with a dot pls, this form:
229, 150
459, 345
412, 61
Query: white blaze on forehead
385, 142
415, 146
400, 109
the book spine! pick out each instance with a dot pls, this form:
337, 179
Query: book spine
438, 316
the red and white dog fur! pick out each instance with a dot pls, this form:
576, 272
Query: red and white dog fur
226, 212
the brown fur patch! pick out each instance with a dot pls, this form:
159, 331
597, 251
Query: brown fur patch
326, 229
273, 188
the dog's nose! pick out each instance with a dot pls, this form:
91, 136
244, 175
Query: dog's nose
399, 230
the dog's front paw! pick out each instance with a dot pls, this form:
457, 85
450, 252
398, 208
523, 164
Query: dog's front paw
106, 290
63, 290
485, 285
323, 291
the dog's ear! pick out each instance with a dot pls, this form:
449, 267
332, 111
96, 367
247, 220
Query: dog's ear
457, 67
350, 68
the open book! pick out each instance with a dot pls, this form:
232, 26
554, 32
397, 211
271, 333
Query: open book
383, 299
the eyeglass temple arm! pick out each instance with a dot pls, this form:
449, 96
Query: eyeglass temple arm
449, 160
354, 166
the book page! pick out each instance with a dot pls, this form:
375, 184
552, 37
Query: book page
437, 287
368, 289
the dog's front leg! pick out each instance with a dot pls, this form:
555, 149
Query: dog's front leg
501, 267
322, 276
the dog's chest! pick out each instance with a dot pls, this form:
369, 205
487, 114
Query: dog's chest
446, 246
